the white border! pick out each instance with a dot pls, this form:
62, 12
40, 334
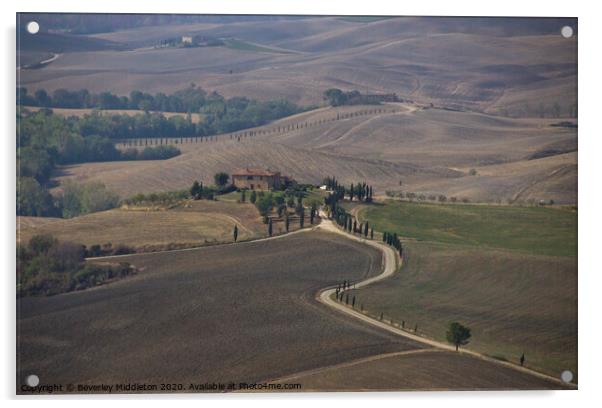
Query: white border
590, 197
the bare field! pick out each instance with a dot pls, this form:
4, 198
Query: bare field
498, 66
206, 315
421, 370
195, 117
128, 178
203, 223
430, 151
434, 136
240, 313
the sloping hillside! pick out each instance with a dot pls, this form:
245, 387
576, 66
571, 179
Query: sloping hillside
505, 66
402, 148
304, 165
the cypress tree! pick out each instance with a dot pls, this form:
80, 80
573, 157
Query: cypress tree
347, 299
366, 230
351, 193
353, 302
302, 219
270, 227
235, 232
354, 226
286, 221
372, 233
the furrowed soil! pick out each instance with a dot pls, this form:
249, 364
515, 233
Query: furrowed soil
192, 223
414, 370
239, 313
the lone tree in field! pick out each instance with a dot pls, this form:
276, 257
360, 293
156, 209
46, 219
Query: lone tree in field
458, 335
196, 190
221, 179
235, 233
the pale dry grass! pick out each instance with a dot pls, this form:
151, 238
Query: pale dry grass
202, 223
493, 68
195, 117
429, 151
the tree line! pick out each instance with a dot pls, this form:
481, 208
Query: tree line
220, 114
34, 199
337, 97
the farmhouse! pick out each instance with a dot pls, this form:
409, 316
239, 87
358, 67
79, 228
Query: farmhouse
258, 179
186, 39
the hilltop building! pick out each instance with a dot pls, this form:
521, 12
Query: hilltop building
258, 179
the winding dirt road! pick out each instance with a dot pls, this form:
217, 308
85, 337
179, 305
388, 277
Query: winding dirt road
391, 262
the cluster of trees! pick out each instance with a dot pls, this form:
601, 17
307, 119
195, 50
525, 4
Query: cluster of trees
186, 100
220, 115
34, 199
361, 191
44, 141
80, 199
197, 41
283, 202
163, 199
337, 97
411, 196
198, 191
393, 240
46, 266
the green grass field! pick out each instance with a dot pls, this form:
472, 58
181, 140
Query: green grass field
543, 231
491, 268
245, 46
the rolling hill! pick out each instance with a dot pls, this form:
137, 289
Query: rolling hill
502, 66
430, 151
